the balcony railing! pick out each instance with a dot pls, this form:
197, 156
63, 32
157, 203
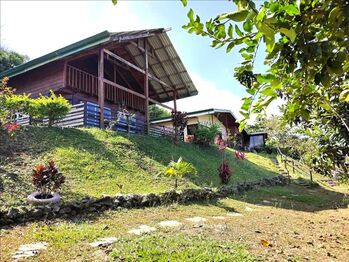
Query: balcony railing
88, 83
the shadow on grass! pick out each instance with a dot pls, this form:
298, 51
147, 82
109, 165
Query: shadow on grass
296, 197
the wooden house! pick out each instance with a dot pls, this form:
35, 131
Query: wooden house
108, 73
225, 119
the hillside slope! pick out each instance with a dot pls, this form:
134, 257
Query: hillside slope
98, 162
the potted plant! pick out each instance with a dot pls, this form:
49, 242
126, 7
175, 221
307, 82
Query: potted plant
47, 180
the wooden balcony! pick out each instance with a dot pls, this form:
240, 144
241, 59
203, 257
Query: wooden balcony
87, 83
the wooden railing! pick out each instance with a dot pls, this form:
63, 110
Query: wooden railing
82, 81
88, 83
123, 98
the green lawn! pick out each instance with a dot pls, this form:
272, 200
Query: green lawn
98, 162
288, 220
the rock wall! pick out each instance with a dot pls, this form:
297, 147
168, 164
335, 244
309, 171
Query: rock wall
15, 215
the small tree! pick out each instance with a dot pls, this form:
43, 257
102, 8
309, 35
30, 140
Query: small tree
54, 107
179, 169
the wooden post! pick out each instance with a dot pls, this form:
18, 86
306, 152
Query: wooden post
175, 111
65, 74
101, 88
146, 88
311, 175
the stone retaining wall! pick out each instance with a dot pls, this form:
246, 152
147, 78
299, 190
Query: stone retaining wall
87, 205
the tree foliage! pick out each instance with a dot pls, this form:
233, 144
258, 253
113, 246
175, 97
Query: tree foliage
307, 54
157, 112
10, 59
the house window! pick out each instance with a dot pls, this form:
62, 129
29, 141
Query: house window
192, 129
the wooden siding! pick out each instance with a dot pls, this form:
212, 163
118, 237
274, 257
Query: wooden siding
39, 80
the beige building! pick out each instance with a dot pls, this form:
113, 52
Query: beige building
225, 119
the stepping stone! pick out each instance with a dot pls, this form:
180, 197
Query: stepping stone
248, 209
196, 219
169, 223
29, 250
234, 214
142, 229
103, 242
219, 217
266, 202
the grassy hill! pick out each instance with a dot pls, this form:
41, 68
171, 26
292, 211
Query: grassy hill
97, 162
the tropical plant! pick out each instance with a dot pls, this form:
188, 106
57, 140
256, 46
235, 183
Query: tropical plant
205, 135
54, 107
179, 169
179, 123
224, 172
47, 179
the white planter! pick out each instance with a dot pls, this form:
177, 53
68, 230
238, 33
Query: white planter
34, 200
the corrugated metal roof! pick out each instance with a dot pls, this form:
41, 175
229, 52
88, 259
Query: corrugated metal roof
169, 68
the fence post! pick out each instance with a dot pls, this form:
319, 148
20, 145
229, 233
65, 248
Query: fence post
311, 175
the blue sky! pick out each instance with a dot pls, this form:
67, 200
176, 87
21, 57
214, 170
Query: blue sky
38, 27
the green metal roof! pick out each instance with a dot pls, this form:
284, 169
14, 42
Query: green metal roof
172, 70
58, 54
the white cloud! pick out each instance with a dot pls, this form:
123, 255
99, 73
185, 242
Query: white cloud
210, 96
35, 28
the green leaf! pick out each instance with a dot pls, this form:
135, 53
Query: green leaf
184, 2
344, 96
238, 31
261, 14
267, 101
230, 30
114, 1
270, 43
268, 91
248, 26
335, 16
325, 105
246, 104
265, 78
291, 10
238, 16
290, 33
230, 46
191, 15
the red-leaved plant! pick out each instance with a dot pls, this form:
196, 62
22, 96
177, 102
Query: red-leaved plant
47, 179
11, 128
224, 172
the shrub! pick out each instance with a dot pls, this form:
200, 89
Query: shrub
224, 172
179, 169
18, 103
204, 135
47, 179
54, 107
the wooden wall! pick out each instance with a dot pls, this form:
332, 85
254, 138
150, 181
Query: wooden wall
39, 80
